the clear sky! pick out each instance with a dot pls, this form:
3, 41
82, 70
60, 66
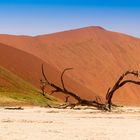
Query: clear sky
33, 17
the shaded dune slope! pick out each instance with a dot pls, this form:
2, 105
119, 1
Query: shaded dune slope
98, 57
20, 63
28, 67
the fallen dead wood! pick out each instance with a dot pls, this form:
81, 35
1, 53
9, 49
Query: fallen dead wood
14, 108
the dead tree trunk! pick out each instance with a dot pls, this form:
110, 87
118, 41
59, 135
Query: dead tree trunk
120, 82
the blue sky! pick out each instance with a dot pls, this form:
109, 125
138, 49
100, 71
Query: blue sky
33, 17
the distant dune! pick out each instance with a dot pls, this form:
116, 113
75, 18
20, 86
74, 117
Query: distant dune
98, 57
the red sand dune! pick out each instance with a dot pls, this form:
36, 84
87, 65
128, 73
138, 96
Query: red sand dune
28, 67
98, 57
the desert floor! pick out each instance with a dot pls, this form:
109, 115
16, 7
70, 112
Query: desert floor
35, 123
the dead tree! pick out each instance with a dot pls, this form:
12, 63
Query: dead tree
95, 103
63, 90
120, 82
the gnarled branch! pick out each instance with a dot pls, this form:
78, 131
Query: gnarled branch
62, 81
119, 84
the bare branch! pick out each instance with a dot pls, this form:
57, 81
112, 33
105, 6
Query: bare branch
129, 81
67, 98
62, 81
43, 73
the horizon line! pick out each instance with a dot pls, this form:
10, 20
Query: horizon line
72, 29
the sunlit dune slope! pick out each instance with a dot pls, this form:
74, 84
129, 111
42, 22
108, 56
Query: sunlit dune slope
98, 57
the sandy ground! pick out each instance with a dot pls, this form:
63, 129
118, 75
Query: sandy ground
53, 124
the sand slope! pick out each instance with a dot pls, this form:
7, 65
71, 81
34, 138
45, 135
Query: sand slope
98, 57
